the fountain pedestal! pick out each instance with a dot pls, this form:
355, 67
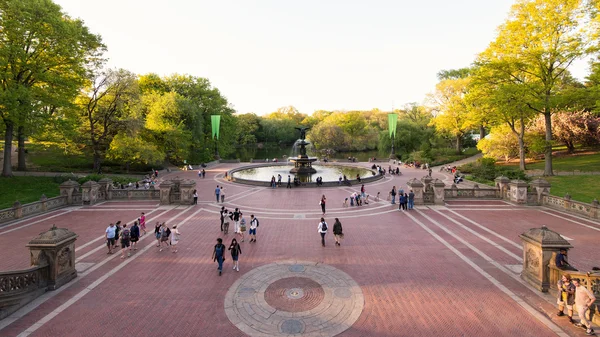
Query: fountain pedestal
303, 163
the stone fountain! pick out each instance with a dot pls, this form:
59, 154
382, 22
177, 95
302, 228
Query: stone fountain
303, 163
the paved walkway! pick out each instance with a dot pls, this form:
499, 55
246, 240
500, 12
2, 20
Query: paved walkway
450, 270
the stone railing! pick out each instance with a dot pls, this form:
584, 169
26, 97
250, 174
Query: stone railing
142, 194
471, 193
18, 211
20, 287
571, 206
590, 280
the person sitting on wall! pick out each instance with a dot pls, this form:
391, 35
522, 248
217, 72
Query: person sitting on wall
561, 260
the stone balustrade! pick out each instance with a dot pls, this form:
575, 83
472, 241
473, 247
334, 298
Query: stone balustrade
19, 211
565, 204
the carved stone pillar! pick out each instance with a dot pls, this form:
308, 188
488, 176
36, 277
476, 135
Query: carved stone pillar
417, 187
518, 191
105, 189
89, 191
68, 188
56, 248
540, 186
502, 184
43, 200
165, 192
538, 246
187, 188
18, 209
438, 190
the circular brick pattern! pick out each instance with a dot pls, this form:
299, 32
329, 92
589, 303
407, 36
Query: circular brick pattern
294, 294
294, 298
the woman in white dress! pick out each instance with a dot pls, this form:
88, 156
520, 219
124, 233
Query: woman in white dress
174, 239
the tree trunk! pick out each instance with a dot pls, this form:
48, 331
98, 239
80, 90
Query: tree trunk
548, 152
97, 168
570, 147
521, 152
481, 132
8, 137
458, 144
521, 137
21, 166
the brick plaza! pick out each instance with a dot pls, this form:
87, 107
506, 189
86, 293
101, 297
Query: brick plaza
447, 270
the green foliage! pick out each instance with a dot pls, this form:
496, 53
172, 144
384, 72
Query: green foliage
485, 170
44, 55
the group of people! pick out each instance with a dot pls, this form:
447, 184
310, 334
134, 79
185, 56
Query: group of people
571, 292
164, 235
220, 193
337, 231
406, 201
237, 217
127, 237
202, 174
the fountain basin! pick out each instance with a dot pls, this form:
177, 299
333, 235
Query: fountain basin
261, 174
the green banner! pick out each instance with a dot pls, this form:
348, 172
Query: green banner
216, 122
392, 119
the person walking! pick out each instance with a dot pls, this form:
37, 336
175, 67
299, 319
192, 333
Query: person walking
236, 250
411, 199
393, 194
135, 235
203, 174
222, 194
583, 300
110, 234
195, 194
175, 235
322, 229
337, 232
165, 232
217, 193
289, 184
322, 203
125, 241
566, 294
362, 191
157, 229
253, 227
279, 180
222, 215
142, 221
219, 254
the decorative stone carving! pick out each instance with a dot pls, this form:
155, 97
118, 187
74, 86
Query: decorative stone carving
438, 189
89, 191
541, 187
105, 189
165, 191
538, 246
69, 188
56, 248
417, 187
518, 191
502, 184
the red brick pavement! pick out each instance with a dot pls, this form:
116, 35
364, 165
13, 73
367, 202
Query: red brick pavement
413, 284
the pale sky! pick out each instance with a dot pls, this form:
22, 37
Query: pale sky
328, 54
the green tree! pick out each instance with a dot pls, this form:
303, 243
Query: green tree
451, 109
534, 48
106, 109
44, 57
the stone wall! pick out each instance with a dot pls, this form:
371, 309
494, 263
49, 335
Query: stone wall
565, 204
38, 207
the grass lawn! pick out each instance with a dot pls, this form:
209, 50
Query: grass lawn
586, 162
581, 188
26, 189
